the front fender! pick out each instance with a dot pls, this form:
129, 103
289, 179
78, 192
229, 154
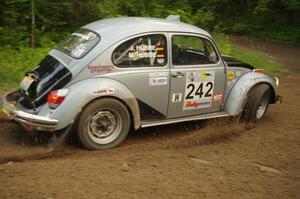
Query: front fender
238, 94
85, 91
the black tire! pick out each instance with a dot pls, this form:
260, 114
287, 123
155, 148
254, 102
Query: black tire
257, 103
103, 124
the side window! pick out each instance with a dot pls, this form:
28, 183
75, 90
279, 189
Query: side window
191, 50
145, 51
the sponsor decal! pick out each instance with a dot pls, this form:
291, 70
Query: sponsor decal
100, 69
191, 76
203, 75
237, 73
256, 78
79, 50
143, 47
89, 36
199, 90
157, 81
176, 97
138, 55
110, 90
160, 60
160, 55
230, 75
196, 105
159, 48
104, 91
218, 98
145, 51
159, 74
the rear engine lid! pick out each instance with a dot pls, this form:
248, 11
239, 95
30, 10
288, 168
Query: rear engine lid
49, 75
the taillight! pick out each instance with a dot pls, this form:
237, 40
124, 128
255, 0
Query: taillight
262, 71
56, 97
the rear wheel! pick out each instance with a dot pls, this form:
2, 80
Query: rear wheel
103, 124
257, 103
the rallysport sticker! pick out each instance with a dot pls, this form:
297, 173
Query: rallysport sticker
199, 90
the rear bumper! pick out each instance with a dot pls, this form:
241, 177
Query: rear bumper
28, 120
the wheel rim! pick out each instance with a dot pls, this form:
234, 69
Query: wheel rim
104, 126
262, 107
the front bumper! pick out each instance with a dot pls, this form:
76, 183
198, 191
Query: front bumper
28, 120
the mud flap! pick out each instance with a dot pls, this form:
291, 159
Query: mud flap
57, 140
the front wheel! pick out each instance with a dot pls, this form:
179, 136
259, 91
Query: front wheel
103, 124
257, 103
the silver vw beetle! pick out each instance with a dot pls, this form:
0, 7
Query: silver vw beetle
126, 72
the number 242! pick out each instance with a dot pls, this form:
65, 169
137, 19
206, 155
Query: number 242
200, 91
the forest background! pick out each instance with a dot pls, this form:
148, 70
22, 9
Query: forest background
30, 28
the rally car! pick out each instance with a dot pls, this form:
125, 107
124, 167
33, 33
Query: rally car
137, 72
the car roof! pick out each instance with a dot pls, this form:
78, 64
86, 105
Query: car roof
122, 27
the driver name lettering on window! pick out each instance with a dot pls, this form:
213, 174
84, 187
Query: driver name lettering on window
144, 51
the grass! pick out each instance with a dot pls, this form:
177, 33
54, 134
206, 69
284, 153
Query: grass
280, 32
257, 59
14, 63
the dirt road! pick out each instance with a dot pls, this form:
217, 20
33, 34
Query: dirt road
210, 159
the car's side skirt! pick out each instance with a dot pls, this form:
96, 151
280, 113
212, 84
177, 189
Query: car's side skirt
149, 123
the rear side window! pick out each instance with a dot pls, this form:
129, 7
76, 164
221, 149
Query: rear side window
192, 50
145, 51
79, 43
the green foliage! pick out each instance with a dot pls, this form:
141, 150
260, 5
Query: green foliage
275, 19
258, 60
14, 64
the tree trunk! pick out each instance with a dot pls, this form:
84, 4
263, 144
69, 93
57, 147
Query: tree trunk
32, 24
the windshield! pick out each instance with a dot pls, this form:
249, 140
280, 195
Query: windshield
79, 43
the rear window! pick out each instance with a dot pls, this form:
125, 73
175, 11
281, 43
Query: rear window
79, 43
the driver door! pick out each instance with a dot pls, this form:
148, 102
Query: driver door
197, 76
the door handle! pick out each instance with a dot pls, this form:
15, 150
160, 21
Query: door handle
178, 75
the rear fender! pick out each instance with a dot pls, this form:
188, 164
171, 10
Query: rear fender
85, 91
237, 97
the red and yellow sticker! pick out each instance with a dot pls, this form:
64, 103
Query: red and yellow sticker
230, 75
159, 48
160, 55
